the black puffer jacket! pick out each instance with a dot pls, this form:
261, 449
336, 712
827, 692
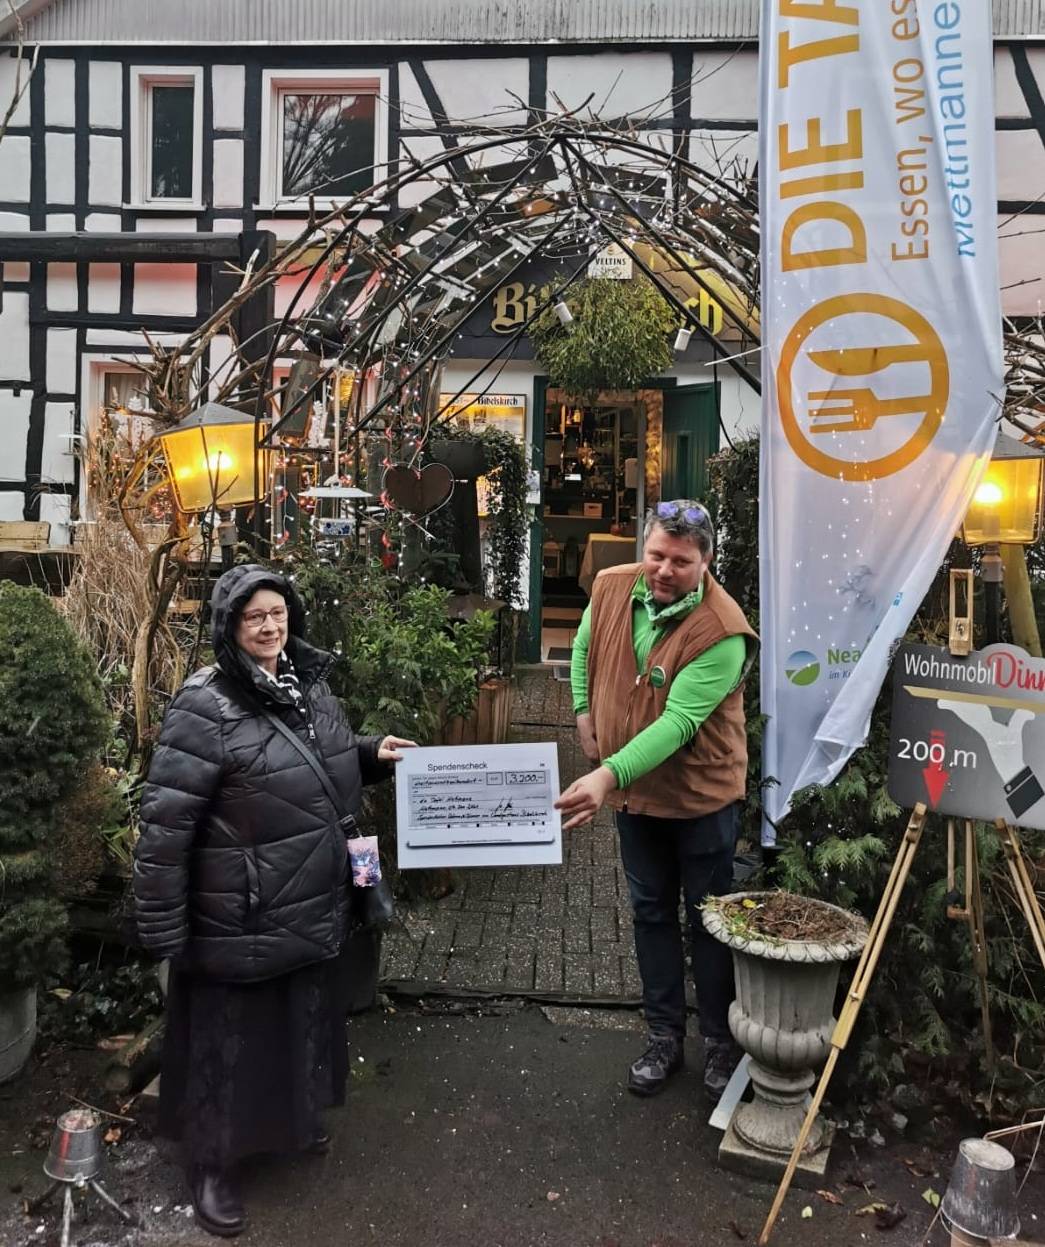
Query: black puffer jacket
241, 867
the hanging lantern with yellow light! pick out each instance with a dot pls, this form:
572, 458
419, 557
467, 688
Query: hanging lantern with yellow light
1007, 506
213, 459
1005, 515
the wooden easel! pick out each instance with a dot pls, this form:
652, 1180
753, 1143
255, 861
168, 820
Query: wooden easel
971, 912
865, 969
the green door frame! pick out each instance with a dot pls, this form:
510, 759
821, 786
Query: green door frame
668, 464
530, 637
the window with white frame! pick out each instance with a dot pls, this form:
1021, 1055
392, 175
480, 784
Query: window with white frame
323, 135
167, 136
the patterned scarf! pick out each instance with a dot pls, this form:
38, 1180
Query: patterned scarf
660, 615
286, 679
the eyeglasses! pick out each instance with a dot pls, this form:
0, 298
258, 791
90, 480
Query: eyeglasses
255, 619
692, 515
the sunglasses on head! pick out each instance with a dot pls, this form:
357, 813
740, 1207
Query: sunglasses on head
692, 515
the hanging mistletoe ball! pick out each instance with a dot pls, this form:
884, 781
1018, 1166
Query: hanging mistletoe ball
619, 336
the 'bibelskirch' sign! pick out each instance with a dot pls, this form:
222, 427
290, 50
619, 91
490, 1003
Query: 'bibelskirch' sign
968, 734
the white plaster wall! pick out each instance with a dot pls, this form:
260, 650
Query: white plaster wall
620, 83
103, 288
413, 109
9, 76
12, 503
1008, 98
16, 167
228, 85
106, 94
58, 462
10, 222
479, 89
1021, 267
220, 367
105, 182
55, 509
103, 222
61, 361
724, 86
421, 149
59, 92
228, 173
14, 430
165, 289
61, 168
14, 337
166, 224
1021, 165
61, 222
108, 339
62, 294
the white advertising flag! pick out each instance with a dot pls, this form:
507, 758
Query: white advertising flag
881, 358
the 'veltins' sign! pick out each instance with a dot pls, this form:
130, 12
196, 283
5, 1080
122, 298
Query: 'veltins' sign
881, 357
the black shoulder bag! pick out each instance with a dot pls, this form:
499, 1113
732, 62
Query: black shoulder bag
373, 909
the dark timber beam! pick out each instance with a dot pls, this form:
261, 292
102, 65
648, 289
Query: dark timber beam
123, 248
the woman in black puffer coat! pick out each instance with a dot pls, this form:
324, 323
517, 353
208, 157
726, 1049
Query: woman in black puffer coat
241, 878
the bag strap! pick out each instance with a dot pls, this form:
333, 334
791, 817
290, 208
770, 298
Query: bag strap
310, 758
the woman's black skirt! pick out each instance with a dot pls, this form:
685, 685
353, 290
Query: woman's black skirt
248, 1067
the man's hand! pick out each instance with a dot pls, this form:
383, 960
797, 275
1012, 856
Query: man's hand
586, 732
388, 750
584, 797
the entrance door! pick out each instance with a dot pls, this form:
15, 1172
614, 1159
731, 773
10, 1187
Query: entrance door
691, 434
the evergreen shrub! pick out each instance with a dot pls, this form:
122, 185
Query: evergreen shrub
53, 723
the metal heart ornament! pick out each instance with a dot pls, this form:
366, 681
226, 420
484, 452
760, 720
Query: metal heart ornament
418, 492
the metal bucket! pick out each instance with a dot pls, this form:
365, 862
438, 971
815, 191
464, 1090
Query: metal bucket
981, 1198
75, 1154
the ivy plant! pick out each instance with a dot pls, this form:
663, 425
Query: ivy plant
508, 520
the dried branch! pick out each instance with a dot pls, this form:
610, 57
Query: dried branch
21, 84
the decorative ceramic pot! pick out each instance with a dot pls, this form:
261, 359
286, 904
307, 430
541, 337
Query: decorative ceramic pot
783, 1017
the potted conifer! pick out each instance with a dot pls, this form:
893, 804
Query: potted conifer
53, 722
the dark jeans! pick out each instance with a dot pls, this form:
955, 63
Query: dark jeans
662, 856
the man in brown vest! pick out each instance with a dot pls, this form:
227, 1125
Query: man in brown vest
658, 667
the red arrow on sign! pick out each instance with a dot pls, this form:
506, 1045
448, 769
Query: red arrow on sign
934, 775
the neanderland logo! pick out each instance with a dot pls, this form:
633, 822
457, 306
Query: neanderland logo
802, 668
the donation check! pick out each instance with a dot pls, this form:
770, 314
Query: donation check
478, 805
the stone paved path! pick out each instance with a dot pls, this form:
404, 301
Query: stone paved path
550, 929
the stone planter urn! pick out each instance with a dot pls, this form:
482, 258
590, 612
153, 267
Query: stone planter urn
783, 1018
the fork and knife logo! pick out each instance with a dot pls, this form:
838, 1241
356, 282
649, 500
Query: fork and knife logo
860, 408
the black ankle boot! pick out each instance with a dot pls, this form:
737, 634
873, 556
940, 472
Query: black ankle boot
216, 1201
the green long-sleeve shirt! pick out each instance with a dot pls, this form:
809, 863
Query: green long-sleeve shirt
695, 691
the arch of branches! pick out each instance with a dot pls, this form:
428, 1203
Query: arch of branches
388, 304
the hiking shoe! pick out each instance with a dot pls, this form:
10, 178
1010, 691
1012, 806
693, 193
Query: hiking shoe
721, 1057
662, 1058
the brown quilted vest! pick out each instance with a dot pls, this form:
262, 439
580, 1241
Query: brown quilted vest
710, 771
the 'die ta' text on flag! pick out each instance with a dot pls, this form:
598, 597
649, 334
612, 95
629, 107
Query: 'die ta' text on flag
881, 359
